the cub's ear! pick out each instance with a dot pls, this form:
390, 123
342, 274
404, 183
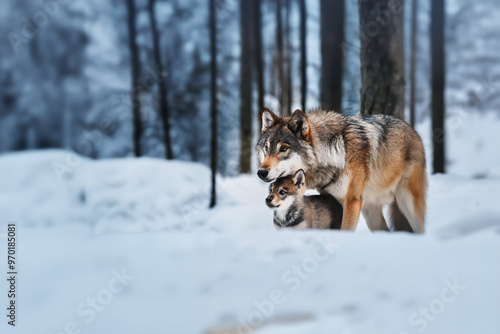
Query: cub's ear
269, 119
299, 179
298, 124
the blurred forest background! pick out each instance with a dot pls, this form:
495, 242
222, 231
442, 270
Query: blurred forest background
134, 77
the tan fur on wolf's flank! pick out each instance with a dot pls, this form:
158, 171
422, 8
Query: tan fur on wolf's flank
364, 161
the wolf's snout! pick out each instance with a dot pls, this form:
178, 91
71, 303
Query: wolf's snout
269, 202
262, 173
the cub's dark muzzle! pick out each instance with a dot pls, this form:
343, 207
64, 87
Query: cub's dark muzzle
269, 199
269, 202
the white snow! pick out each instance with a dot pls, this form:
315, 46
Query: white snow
471, 143
187, 269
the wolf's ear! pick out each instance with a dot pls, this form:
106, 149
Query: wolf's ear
268, 119
299, 178
298, 123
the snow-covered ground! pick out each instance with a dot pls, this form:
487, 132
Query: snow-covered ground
471, 143
129, 246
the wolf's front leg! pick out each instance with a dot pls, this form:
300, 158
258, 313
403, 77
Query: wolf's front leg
352, 202
352, 209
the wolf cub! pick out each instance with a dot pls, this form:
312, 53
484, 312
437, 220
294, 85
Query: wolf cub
294, 210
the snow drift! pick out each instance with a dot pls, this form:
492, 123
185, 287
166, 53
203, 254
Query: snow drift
130, 246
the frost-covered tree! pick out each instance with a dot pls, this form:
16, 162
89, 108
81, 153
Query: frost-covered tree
135, 73
163, 108
213, 99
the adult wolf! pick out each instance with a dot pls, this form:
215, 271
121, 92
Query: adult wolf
365, 161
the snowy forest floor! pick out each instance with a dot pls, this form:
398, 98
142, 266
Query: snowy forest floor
129, 246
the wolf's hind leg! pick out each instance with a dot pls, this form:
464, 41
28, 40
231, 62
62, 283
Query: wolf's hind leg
374, 217
397, 219
410, 197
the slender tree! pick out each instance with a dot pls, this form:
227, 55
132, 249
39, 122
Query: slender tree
246, 77
303, 54
252, 71
413, 60
162, 91
287, 80
135, 72
382, 57
438, 76
332, 37
280, 57
213, 99
259, 63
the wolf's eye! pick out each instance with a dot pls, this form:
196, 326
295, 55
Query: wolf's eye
282, 192
266, 148
284, 148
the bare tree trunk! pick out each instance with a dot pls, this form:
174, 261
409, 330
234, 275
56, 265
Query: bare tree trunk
135, 72
213, 99
246, 85
259, 64
438, 77
162, 91
413, 59
287, 82
382, 57
332, 37
279, 55
303, 54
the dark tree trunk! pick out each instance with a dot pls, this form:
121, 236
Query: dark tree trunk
162, 89
280, 59
303, 54
413, 60
135, 73
213, 99
246, 7
438, 77
332, 37
287, 84
259, 63
382, 57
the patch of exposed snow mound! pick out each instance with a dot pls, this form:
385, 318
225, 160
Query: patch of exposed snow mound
122, 195
135, 195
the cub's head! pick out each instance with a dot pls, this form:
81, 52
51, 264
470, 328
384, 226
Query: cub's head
285, 190
284, 146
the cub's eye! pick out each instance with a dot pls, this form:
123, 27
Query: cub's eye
282, 192
284, 148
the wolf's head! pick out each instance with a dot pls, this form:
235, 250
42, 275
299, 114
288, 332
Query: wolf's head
284, 146
285, 191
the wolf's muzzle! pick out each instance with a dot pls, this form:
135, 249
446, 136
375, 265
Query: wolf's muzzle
269, 202
262, 173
